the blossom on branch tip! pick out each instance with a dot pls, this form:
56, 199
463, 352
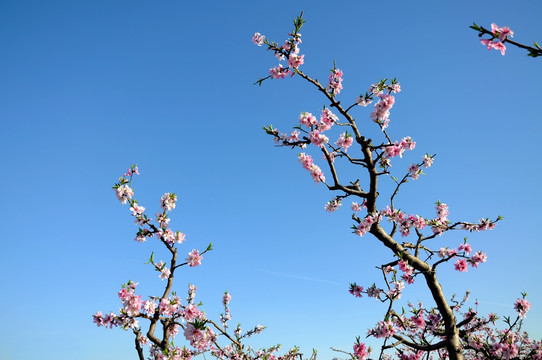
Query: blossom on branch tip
522, 306
278, 72
226, 298
168, 200
131, 171
335, 86
501, 32
427, 161
345, 141
194, 258
360, 351
258, 39
332, 205
356, 290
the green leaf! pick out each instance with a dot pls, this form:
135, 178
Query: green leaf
151, 259
475, 27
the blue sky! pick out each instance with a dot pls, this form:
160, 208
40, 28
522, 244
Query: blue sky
90, 87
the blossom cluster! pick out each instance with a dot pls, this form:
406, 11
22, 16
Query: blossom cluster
423, 330
315, 171
169, 310
288, 51
500, 34
335, 85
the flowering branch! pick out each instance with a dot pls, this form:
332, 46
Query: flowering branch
443, 331
500, 36
168, 311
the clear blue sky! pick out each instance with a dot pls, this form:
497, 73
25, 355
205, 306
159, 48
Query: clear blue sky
89, 87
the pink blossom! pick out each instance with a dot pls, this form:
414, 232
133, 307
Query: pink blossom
502, 32
427, 161
140, 238
488, 43
200, 339
164, 271
355, 207
497, 45
345, 141
360, 351
316, 173
461, 265
522, 306
327, 119
373, 291
363, 101
294, 136
404, 267
414, 171
375, 89
179, 237
407, 143
500, 46
226, 298
335, 86
194, 258
442, 211
191, 312
295, 60
150, 307
98, 318
317, 138
333, 205
168, 236
393, 151
465, 247
305, 160
307, 119
356, 290
124, 192
478, 257
131, 171
258, 39
278, 72
381, 110
419, 321
168, 306
419, 222
364, 226
395, 293
163, 220
384, 329
168, 200
442, 252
